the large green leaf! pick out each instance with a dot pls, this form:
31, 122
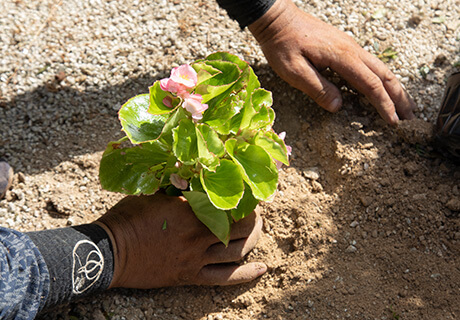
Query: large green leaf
213, 142
138, 124
247, 204
263, 119
133, 170
185, 145
171, 123
273, 145
259, 170
204, 71
218, 116
156, 100
216, 220
261, 98
219, 82
208, 159
224, 186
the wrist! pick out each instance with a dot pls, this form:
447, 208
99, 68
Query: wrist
79, 260
119, 231
273, 21
116, 256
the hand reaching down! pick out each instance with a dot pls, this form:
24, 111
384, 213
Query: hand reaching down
159, 242
299, 46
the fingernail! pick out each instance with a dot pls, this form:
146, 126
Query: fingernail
394, 118
261, 268
335, 104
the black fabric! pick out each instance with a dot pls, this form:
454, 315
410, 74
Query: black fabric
448, 123
79, 260
246, 11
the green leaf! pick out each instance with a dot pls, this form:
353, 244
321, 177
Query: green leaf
271, 143
218, 116
172, 122
195, 185
263, 119
213, 142
224, 186
246, 205
208, 159
133, 170
185, 144
261, 98
259, 170
220, 82
216, 220
204, 71
138, 124
156, 100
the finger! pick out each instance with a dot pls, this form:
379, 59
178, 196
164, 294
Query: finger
224, 275
405, 106
244, 227
306, 78
236, 249
356, 72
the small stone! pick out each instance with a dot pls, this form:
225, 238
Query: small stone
351, 249
418, 197
366, 201
311, 173
21, 177
316, 186
354, 224
6, 177
453, 204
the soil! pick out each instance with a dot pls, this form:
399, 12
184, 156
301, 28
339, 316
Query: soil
365, 224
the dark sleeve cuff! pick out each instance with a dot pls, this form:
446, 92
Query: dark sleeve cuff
246, 11
79, 260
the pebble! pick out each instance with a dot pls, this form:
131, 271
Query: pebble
311, 173
453, 204
351, 249
354, 224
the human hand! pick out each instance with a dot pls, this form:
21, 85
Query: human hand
184, 252
298, 46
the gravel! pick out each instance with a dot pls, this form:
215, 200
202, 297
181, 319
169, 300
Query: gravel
66, 66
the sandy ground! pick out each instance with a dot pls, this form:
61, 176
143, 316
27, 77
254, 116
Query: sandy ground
366, 223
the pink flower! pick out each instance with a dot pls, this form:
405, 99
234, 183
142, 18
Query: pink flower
192, 103
184, 75
181, 80
178, 182
279, 164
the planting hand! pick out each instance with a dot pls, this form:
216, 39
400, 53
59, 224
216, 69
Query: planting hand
159, 242
298, 47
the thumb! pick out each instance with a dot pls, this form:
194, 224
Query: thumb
229, 274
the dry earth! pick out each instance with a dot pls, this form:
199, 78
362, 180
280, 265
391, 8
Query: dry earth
366, 221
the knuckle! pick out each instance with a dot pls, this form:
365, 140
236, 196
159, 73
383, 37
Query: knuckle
374, 84
388, 77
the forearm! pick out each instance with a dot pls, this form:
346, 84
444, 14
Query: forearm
79, 260
246, 11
